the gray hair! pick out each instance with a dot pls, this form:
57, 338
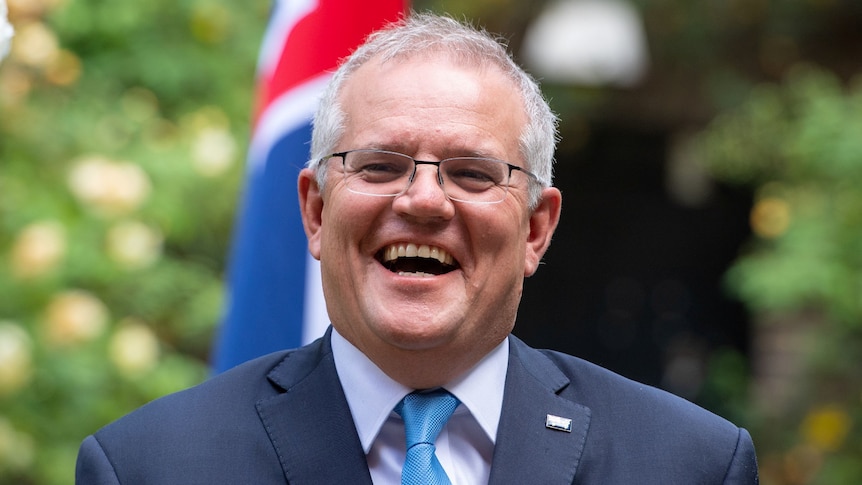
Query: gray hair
424, 33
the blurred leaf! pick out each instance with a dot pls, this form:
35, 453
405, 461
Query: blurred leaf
798, 146
132, 84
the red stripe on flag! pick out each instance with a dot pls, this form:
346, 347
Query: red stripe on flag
320, 40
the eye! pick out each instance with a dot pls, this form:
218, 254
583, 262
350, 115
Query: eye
376, 167
474, 173
379, 168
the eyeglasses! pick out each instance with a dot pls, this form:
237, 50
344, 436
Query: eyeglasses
466, 179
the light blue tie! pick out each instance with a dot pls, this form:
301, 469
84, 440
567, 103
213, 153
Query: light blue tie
424, 416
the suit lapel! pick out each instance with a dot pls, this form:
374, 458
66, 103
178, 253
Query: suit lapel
310, 424
527, 451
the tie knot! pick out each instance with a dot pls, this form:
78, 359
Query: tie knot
425, 414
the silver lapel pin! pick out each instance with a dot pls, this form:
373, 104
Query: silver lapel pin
558, 423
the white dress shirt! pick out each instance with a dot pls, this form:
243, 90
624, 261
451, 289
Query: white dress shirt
466, 444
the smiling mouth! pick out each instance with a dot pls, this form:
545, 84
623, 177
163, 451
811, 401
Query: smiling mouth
416, 260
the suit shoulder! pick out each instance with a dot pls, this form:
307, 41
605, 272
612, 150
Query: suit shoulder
620, 400
657, 432
220, 399
208, 432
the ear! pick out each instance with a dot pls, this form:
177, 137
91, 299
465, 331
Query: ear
311, 207
543, 223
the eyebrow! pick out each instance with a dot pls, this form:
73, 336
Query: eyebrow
448, 153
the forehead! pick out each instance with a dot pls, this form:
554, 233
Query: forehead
422, 99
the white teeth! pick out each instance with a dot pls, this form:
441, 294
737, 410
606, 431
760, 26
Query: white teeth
411, 250
423, 251
417, 273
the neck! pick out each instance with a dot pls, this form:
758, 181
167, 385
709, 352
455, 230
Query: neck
425, 368
421, 369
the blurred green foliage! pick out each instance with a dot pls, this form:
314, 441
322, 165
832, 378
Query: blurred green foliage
123, 126
798, 146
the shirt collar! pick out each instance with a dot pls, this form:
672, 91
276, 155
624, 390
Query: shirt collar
371, 394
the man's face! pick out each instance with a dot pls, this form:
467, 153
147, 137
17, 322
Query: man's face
430, 109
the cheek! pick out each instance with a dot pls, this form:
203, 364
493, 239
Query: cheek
347, 224
335, 236
503, 236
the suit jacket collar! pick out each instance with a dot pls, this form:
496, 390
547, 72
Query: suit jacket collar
309, 423
312, 430
527, 451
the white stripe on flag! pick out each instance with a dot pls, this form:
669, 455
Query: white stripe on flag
284, 115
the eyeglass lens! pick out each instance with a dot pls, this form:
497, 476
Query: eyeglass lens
468, 179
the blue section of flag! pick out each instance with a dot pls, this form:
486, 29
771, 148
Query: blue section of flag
268, 260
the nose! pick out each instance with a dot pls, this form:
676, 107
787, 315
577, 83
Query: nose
424, 197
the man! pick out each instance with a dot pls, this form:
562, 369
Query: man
427, 201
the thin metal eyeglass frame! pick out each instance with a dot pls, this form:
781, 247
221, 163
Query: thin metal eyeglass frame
416, 163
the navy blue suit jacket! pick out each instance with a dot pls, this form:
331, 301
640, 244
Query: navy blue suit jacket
283, 418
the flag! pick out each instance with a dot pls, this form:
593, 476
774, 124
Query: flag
274, 293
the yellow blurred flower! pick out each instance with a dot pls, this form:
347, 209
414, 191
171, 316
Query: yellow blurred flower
134, 348
35, 45
15, 85
38, 249
770, 217
109, 187
17, 449
827, 427
213, 151
133, 244
33, 8
74, 316
16, 361
64, 69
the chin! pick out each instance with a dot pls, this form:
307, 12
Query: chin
418, 335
